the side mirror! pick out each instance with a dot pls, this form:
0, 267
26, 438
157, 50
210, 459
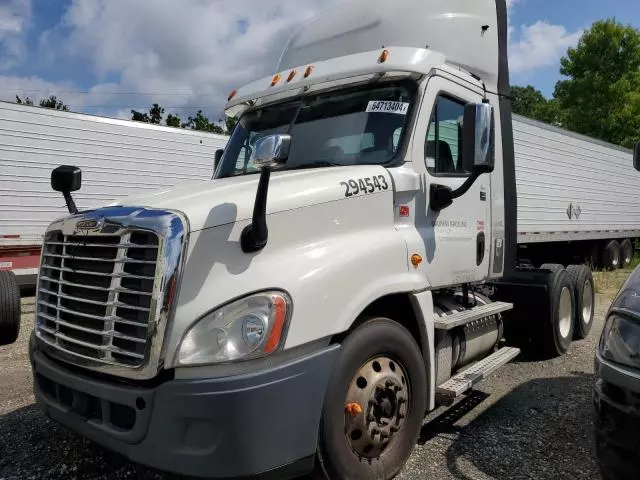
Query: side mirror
216, 158
271, 150
67, 179
636, 157
477, 138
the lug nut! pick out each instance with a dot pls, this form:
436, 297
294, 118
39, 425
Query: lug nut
389, 384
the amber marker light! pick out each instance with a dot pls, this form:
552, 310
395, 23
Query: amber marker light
279, 312
308, 71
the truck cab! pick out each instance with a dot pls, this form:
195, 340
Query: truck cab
346, 270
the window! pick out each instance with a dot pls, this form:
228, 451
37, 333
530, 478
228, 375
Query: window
443, 145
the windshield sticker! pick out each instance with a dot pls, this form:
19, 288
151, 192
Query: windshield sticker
385, 106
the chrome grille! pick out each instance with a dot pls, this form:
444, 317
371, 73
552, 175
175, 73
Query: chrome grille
95, 294
106, 289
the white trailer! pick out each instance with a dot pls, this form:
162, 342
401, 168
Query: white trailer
577, 197
117, 157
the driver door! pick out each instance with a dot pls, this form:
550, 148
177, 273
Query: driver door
457, 238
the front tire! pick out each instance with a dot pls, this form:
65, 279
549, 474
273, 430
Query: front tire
381, 370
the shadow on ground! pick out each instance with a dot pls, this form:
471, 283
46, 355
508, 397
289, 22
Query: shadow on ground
34, 447
540, 430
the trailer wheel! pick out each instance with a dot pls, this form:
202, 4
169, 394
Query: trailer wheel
9, 308
554, 267
611, 255
584, 299
557, 334
374, 405
626, 253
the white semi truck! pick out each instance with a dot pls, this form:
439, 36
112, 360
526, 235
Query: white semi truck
335, 281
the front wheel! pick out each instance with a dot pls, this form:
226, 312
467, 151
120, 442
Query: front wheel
375, 404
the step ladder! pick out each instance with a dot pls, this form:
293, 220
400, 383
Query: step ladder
453, 320
462, 382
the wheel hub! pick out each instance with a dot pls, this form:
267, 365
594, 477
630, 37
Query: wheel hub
380, 388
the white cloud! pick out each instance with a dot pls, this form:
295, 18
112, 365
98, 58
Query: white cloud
540, 45
190, 53
14, 20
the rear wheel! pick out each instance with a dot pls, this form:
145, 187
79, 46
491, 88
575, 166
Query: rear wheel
557, 335
375, 404
9, 308
611, 255
554, 267
584, 299
626, 253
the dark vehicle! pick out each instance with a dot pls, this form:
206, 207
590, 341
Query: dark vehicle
617, 387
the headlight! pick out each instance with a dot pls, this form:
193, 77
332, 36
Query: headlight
251, 327
620, 341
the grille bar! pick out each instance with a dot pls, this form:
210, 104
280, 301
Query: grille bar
124, 321
90, 330
88, 272
93, 287
95, 302
103, 245
89, 345
96, 259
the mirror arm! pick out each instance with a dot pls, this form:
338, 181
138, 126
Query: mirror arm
255, 235
441, 196
71, 205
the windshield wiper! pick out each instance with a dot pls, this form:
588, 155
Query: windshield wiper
320, 163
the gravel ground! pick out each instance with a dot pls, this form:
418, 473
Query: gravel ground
530, 420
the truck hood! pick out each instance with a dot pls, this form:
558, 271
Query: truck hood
227, 200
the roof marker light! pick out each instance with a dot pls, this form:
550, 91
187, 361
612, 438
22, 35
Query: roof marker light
291, 76
276, 78
308, 71
383, 56
231, 95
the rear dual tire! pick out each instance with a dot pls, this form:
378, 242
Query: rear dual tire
558, 334
584, 299
381, 369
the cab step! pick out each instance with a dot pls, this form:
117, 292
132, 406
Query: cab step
453, 320
449, 391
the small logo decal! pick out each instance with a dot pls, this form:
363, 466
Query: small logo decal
574, 211
87, 225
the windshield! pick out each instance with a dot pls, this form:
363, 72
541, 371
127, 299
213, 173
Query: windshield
348, 127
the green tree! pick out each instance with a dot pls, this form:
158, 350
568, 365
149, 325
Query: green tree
155, 114
202, 123
54, 102
26, 101
173, 120
140, 117
530, 102
229, 124
600, 96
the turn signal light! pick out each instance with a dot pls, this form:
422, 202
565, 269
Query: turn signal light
308, 71
276, 78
